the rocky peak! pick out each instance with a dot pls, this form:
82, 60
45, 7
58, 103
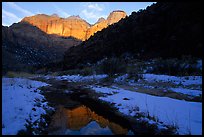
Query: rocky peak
115, 16
77, 17
100, 20
54, 15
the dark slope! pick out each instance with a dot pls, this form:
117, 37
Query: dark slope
24, 46
162, 30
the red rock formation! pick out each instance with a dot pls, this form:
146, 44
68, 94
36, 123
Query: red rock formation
72, 26
97, 27
100, 20
115, 16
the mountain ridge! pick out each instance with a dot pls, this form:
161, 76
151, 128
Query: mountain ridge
73, 26
25, 44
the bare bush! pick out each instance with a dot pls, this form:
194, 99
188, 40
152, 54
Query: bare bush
113, 66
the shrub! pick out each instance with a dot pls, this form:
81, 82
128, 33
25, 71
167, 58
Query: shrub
69, 72
182, 67
113, 66
55, 74
135, 77
107, 80
134, 73
10, 74
23, 132
87, 71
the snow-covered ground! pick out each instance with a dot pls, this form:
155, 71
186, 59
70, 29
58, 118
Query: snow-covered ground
185, 80
78, 78
187, 116
20, 101
121, 79
181, 83
187, 91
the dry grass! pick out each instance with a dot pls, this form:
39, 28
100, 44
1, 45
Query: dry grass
158, 92
12, 74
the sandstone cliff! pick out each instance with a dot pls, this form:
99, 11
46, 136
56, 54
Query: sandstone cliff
72, 26
114, 17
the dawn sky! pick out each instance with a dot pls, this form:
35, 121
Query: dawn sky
13, 12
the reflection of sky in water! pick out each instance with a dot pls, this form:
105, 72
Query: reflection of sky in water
91, 129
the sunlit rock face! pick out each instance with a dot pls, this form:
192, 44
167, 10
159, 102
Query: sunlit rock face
80, 117
96, 27
100, 20
72, 26
41, 21
115, 16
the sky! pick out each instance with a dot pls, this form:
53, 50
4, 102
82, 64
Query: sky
13, 12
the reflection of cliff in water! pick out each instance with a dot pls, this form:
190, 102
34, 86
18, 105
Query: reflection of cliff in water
81, 119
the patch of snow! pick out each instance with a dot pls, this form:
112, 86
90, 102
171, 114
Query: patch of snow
115, 87
186, 115
121, 78
185, 80
143, 85
78, 78
187, 91
105, 90
19, 99
124, 80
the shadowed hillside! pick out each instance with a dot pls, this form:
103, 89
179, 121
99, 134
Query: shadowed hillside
24, 46
164, 29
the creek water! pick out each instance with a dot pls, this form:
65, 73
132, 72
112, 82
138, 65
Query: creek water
81, 120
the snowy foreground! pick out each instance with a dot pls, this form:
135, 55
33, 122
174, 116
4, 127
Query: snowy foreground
20, 101
184, 115
187, 116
